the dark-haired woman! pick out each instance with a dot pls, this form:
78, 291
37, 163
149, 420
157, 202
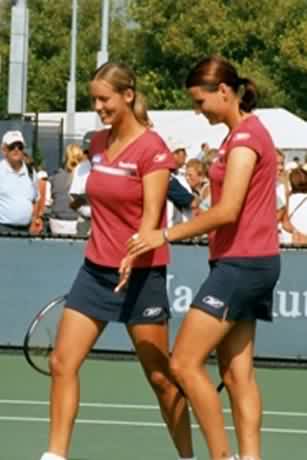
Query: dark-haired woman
244, 261
127, 189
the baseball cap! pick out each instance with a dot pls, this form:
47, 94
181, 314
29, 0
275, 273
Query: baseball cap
86, 141
12, 136
175, 144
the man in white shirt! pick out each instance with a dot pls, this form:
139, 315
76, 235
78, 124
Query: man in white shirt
18, 190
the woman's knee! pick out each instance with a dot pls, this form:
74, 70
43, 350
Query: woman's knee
60, 364
178, 370
160, 380
234, 378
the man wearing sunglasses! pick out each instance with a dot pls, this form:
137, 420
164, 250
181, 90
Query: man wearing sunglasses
18, 191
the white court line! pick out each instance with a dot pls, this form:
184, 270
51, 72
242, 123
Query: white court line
133, 406
138, 424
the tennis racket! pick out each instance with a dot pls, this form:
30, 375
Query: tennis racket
39, 339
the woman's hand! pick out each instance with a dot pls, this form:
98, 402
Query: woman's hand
139, 244
299, 238
124, 270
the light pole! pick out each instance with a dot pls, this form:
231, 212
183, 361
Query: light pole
18, 69
103, 55
71, 85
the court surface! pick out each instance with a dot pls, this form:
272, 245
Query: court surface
119, 418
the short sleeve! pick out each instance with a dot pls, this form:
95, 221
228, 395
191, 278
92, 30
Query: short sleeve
246, 138
98, 142
155, 156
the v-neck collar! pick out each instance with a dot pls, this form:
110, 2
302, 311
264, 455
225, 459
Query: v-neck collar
123, 150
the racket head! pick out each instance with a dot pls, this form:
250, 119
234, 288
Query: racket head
40, 336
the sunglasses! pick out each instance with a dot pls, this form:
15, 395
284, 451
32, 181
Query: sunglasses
15, 145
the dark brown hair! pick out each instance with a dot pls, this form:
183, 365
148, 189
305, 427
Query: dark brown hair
298, 180
211, 71
122, 78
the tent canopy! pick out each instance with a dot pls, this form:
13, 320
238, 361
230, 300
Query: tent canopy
288, 131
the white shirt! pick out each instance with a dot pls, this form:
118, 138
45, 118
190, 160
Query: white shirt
18, 192
78, 184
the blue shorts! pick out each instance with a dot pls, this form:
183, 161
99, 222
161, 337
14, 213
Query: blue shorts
239, 288
143, 301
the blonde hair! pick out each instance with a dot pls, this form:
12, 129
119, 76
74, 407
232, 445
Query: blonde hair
73, 156
121, 78
198, 165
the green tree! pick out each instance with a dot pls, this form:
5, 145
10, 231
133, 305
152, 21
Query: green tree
50, 51
265, 40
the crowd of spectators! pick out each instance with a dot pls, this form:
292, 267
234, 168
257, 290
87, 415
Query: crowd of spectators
33, 203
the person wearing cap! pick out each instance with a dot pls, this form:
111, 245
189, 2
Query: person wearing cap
179, 151
18, 188
181, 203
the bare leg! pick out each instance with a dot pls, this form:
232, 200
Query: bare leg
151, 344
76, 335
198, 336
235, 356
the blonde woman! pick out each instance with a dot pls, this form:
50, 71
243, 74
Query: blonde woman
126, 188
63, 220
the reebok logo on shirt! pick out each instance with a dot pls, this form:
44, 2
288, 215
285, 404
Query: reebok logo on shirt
159, 157
241, 136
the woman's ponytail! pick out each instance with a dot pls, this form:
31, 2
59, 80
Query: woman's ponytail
139, 108
248, 95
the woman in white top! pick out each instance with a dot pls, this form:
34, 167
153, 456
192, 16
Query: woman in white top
295, 219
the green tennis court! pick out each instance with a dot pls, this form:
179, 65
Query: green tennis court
119, 418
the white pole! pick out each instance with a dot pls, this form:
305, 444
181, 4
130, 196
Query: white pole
17, 90
103, 55
71, 85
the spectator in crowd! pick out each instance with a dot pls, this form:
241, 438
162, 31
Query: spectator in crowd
294, 221
282, 186
179, 152
18, 188
64, 219
204, 149
181, 203
79, 200
293, 164
211, 157
45, 199
197, 179
179, 212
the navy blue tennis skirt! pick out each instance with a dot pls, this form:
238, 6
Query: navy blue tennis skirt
240, 288
144, 300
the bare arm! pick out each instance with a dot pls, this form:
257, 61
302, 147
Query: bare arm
155, 187
239, 170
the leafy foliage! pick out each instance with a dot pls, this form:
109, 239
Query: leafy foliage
162, 39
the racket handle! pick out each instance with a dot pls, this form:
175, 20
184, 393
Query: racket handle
220, 387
